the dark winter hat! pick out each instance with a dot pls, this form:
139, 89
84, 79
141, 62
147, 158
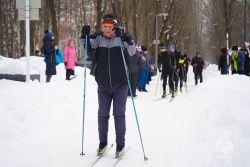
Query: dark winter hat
185, 55
144, 48
235, 48
49, 34
109, 19
162, 46
198, 53
224, 50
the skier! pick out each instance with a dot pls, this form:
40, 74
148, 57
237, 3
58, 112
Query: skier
135, 61
223, 62
144, 69
198, 65
70, 60
166, 59
185, 65
111, 77
181, 71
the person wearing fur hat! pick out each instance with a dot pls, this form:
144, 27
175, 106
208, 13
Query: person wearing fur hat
223, 62
166, 63
110, 76
237, 60
70, 60
247, 62
49, 55
144, 69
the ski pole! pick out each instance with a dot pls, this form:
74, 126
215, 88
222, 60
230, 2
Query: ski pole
157, 83
84, 93
124, 62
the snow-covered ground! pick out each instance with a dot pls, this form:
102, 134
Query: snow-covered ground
41, 123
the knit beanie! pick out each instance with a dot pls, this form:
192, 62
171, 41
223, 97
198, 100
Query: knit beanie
138, 47
172, 46
109, 19
144, 48
49, 34
162, 46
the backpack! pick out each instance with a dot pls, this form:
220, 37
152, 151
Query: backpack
43, 50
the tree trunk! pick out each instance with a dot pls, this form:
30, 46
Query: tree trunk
54, 22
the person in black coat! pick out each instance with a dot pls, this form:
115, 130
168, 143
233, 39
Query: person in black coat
49, 55
198, 65
223, 62
247, 62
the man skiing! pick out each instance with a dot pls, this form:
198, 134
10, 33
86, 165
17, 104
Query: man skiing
166, 59
111, 77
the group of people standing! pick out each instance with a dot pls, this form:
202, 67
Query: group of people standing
54, 57
239, 61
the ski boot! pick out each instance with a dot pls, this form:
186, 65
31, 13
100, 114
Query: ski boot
181, 90
164, 94
120, 149
102, 148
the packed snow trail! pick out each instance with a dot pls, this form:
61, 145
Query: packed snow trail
41, 123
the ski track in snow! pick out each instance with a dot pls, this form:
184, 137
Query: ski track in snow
41, 124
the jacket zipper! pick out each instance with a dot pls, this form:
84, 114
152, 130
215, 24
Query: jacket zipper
109, 62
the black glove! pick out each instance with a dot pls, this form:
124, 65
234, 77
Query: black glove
85, 31
127, 38
236, 59
97, 33
65, 63
119, 32
159, 69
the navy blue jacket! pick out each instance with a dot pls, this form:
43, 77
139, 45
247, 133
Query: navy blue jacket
49, 56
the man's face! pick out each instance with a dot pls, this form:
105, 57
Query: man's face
245, 52
162, 50
234, 51
171, 49
107, 29
145, 52
198, 55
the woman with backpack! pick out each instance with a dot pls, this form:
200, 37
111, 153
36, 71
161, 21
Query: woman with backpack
70, 60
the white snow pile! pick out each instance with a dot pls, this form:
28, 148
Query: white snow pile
41, 123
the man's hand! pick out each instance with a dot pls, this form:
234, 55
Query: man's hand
85, 31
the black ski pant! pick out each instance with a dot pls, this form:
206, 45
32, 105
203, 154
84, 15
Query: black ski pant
247, 71
170, 73
196, 77
181, 76
69, 72
133, 82
176, 78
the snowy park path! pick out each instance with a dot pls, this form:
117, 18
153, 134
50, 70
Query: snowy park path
41, 123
